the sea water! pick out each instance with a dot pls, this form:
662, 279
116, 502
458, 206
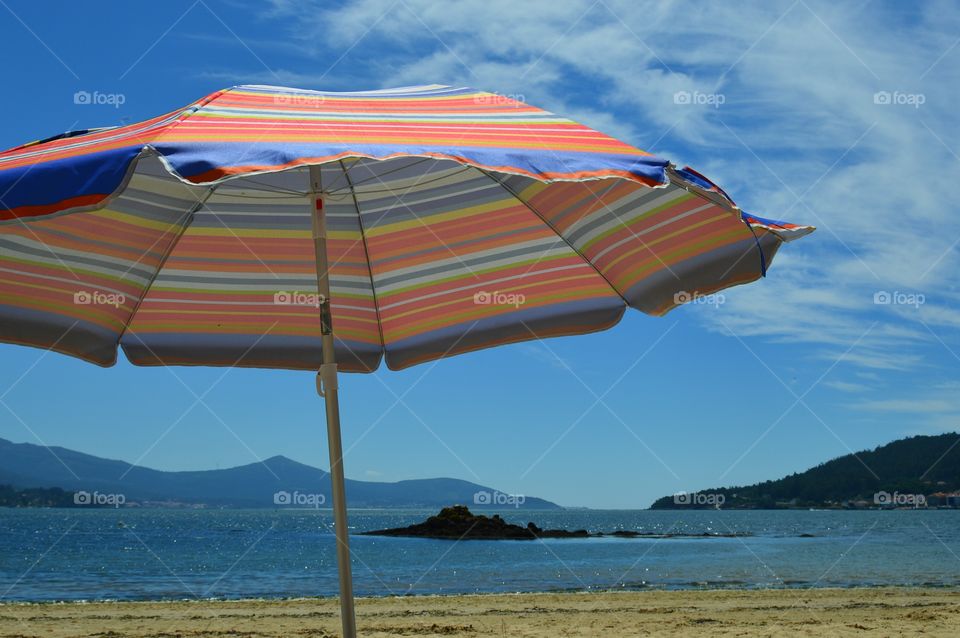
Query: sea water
130, 554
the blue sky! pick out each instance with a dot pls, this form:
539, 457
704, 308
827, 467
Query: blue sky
841, 115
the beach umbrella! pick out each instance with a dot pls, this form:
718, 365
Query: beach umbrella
283, 228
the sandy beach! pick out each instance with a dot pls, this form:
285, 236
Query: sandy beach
822, 613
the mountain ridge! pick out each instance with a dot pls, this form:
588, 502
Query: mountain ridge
926, 466
264, 483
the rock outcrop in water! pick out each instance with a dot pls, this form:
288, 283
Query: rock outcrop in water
459, 523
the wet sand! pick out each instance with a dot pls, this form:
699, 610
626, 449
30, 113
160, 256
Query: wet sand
822, 613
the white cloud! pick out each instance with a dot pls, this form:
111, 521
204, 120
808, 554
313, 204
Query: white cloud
911, 406
800, 135
847, 386
924, 408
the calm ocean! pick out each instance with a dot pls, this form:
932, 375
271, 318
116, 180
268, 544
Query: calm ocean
175, 554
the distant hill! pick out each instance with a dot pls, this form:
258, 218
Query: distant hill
918, 465
277, 481
35, 497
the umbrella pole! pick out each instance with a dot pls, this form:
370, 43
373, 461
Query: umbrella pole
327, 388
328, 379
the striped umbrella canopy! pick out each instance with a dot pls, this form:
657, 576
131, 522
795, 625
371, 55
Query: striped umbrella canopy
284, 228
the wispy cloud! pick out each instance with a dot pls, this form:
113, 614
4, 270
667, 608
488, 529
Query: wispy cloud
911, 406
843, 116
846, 386
921, 409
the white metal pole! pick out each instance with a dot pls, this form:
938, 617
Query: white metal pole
327, 387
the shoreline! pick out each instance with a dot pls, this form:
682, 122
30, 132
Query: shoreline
825, 612
681, 590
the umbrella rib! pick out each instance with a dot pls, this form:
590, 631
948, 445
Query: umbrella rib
557, 233
366, 252
187, 220
420, 182
378, 177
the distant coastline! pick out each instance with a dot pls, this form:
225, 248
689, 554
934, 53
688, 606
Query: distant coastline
920, 472
39, 476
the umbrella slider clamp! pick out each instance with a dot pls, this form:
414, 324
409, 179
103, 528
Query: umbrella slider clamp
327, 379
